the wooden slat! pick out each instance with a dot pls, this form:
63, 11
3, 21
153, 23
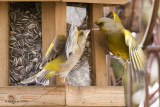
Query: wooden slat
48, 24
95, 96
4, 41
99, 1
53, 23
21, 96
98, 50
28, 0
48, 27
60, 25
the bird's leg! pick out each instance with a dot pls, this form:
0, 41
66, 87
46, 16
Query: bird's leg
120, 80
65, 82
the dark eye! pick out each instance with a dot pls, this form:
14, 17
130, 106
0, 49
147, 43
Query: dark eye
81, 33
70, 53
100, 24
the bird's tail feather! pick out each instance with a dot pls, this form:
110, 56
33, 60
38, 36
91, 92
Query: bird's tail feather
41, 78
29, 80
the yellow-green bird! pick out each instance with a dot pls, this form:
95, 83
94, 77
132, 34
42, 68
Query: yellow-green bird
61, 65
121, 43
56, 48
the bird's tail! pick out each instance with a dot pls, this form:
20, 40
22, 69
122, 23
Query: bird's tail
41, 78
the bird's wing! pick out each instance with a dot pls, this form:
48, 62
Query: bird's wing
71, 40
137, 57
56, 48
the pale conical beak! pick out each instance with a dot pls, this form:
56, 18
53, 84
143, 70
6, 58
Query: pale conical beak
95, 27
86, 32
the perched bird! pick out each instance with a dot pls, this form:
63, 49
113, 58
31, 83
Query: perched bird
56, 48
121, 43
61, 65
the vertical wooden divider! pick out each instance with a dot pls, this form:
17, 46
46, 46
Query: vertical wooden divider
53, 23
60, 19
4, 44
48, 27
98, 51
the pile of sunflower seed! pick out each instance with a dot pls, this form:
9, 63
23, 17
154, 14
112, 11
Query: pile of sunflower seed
25, 41
80, 75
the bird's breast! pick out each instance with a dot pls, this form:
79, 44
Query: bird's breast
116, 43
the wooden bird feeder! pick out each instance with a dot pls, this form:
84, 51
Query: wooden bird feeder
53, 18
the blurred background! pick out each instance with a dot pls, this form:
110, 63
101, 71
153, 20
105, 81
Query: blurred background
135, 16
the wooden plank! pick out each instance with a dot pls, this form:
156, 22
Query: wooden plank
28, 0
4, 42
95, 96
98, 50
48, 28
53, 23
48, 24
60, 25
25, 96
99, 1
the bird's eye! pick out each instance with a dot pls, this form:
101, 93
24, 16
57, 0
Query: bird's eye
100, 24
70, 53
81, 33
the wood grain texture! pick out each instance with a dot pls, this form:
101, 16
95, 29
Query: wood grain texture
98, 50
53, 23
48, 24
4, 42
28, 0
48, 28
60, 26
23, 96
95, 96
99, 1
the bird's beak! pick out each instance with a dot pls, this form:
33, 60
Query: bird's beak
95, 27
86, 32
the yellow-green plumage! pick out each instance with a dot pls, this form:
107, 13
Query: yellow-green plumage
54, 65
121, 42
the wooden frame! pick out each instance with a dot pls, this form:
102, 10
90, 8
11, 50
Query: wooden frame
53, 18
82, 1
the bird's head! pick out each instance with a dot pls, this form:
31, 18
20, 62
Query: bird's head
82, 37
109, 24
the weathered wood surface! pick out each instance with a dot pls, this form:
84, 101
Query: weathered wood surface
60, 26
22, 96
4, 44
53, 23
98, 51
48, 28
99, 1
83, 1
29, 0
62, 96
95, 96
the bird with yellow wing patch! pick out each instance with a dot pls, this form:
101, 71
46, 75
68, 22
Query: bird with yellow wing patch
62, 60
121, 43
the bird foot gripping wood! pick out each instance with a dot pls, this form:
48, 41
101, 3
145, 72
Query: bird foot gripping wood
67, 84
120, 80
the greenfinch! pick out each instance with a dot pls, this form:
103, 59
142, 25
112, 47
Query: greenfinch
56, 48
121, 43
63, 63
